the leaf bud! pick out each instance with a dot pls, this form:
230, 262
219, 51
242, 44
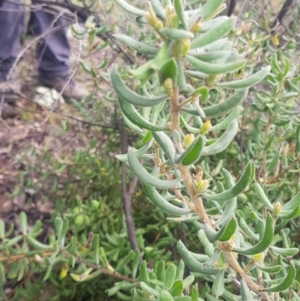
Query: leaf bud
181, 47
169, 10
196, 26
259, 257
188, 140
152, 18
213, 79
172, 21
153, 21
168, 86
277, 209
90, 25
202, 185
205, 127
63, 272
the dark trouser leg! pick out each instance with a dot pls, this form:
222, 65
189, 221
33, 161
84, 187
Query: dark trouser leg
53, 50
11, 27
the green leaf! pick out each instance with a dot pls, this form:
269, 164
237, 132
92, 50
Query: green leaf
239, 187
192, 153
285, 251
222, 142
206, 11
168, 70
293, 203
145, 176
160, 270
144, 276
223, 107
179, 8
2, 275
270, 269
264, 243
180, 270
136, 45
192, 262
176, 34
226, 122
166, 144
130, 8
210, 297
210, 68
135, 263
136, 118
214, 34
248, 231
223, 234
158, 9
262, 196
218, 284
156, 199
32, 241
286, 283
170, 276
23, 222
194, 294
165, 296
125, 260
247, 82
188, 281
245, 291
148, 289
177, 288
128, 95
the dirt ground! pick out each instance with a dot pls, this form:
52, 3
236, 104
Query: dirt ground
41, 129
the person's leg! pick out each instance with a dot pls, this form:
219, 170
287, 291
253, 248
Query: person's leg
53, 50
53, 54
11, 27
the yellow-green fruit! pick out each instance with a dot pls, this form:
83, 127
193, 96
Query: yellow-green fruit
95, 204
76, 210
79, 220
88, 172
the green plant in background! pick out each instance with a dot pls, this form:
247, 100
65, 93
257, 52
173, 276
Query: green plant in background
185, 102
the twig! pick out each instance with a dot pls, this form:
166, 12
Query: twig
127, 192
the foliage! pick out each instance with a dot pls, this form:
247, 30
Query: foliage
204, 94
188, 92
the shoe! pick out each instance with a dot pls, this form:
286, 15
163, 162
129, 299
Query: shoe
8, 111
68, 88
9, 87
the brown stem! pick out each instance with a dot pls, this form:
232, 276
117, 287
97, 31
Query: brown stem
175, 109
127, 193
196, 199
